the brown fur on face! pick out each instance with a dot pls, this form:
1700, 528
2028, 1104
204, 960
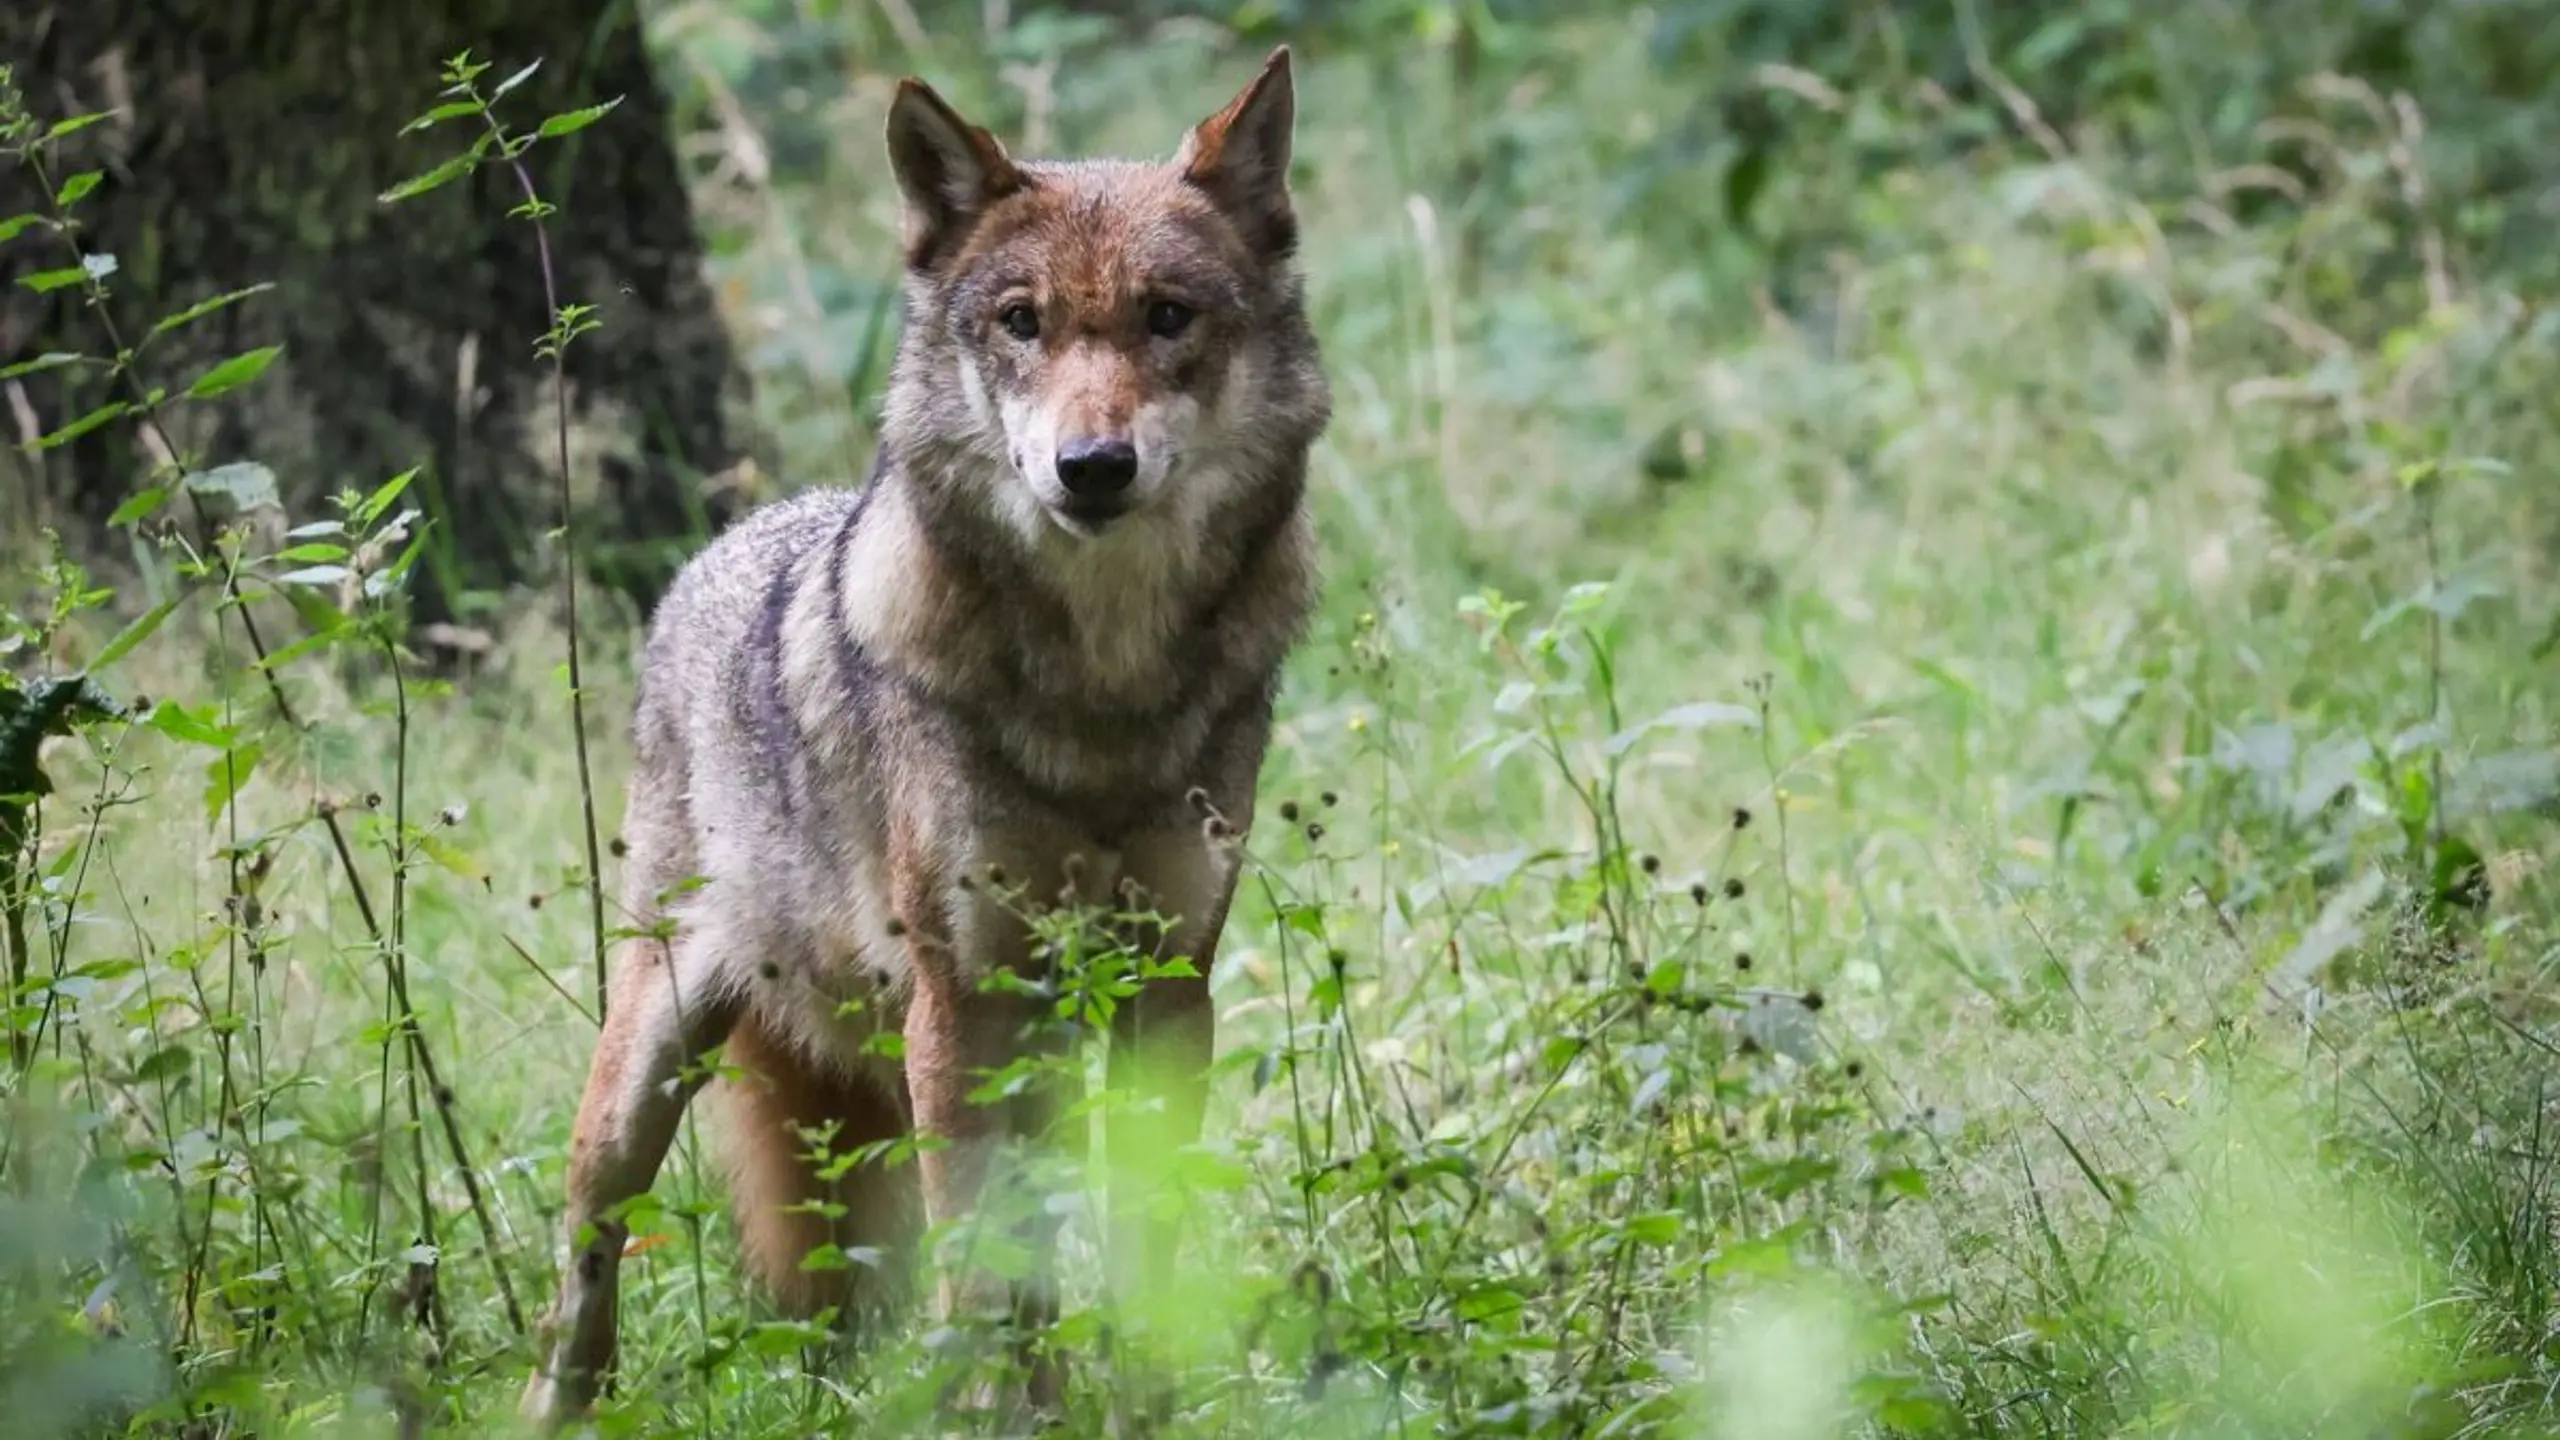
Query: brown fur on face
1092, 251
1106, 304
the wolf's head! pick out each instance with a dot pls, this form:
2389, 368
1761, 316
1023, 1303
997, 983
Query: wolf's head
1102, 340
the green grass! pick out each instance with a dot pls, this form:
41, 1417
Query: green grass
2077, 651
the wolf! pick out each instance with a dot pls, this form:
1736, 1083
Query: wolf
1036, 654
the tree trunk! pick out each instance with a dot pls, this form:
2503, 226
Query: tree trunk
249, 143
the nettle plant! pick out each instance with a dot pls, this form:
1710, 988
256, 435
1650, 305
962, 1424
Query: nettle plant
196, 1205
1514, 1119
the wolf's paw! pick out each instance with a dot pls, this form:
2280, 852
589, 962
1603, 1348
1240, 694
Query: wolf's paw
556, 1396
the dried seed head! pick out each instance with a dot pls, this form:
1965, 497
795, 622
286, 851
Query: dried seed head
1650, 864
451, 815
769, 970
1741, 817
1854, 1069
1289, 811
619, 847
995, 876
1733, 888
373, 799
1742, 960
1330, 799
1698, 892
1315, 831
533, 901
1813, 1000
897, 928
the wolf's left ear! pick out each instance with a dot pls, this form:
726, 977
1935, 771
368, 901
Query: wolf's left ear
949, 171
1241, 157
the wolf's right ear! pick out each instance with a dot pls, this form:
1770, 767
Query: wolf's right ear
949, 171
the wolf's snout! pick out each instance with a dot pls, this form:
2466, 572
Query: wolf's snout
1097, 469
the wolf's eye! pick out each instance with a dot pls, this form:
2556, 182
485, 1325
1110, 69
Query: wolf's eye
1168, 318
1019, 321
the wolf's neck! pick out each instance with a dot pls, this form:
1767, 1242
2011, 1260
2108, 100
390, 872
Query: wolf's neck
968, 596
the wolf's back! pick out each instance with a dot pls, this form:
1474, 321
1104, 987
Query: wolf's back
710, 682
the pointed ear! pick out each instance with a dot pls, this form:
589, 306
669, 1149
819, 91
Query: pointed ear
949, 171
1241, 157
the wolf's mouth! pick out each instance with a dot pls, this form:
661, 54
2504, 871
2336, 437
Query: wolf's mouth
1088, 515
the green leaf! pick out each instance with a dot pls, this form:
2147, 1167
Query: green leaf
166, 1063
202, 308
573, 121
309, 554
1489, 1303
515, 80
1659, 1228
75, 123
189, 727
135, 633
45, 282
449, 110
278, 659
451, 857
83, 425
245, 483
77, 187
1744, 179
383, 581
417, 185
235, 372
380, 500
1705, 714
313, 575
17, 225
224, 776
139, 507
49, 360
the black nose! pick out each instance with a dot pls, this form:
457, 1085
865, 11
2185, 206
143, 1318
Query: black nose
1091, 469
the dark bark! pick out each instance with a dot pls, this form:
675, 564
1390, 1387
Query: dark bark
251, 140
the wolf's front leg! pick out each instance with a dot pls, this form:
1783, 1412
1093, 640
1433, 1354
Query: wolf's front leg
1162, 1040
670, 1004
953, 1035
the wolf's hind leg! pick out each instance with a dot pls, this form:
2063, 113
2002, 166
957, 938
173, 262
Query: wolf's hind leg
785, 1210
670, 1003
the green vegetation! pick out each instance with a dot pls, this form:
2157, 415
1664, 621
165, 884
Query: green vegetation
1924, 804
